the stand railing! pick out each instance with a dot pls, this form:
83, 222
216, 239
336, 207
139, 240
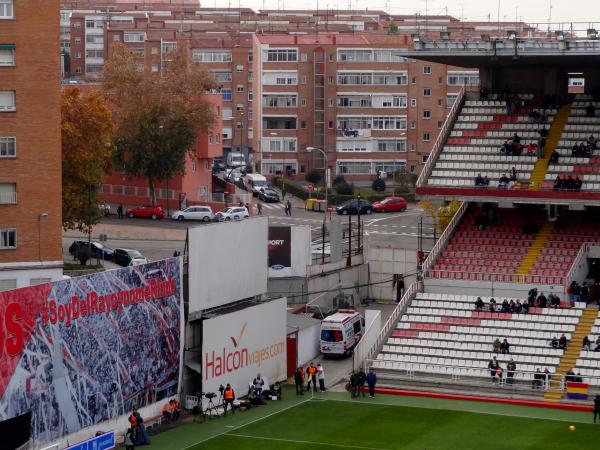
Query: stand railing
415, 287
442, 136
444, 238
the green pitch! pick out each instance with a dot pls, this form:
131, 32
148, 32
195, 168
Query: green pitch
334, 421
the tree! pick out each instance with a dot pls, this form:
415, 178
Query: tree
158, 118
337, 180
314, 176
86, 151
343, 188
378, 185
392, 28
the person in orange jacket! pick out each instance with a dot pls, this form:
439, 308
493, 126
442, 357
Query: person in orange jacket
228, 399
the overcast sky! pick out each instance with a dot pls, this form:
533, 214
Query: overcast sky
533, 11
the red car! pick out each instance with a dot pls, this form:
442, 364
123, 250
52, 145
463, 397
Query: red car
147, 211
390, 204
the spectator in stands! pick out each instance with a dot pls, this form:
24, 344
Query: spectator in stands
590, 110
513, 174
509, 106
534, 116
505, 306
592, 141
479, 304
492, 306
541, 146
479, 181
505, 149
577, 183
511, 367
493, 366
531, 148
573, 291
562, 342
546, 378
583, 292
518, 307
524, 307
554, 342
503, 181
597, 349
486, 180
558, 183
532, 295
542, 300
554, 158
496, 345
511, 306
538, 377
505, 347
543, 132
516, 138
554, 301
570, 376
586, 343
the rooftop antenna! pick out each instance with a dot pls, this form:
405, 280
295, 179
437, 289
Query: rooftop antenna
498, 17
549, 14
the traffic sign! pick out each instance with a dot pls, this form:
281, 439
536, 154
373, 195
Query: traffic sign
329, 208
310, 187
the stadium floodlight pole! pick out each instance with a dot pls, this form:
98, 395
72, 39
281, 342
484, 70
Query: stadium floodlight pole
310, 150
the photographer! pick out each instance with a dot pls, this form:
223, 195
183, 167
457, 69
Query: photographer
228, 399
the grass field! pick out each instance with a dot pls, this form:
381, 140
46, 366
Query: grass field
333, 421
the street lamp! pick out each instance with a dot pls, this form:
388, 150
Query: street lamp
40, 217
310, 150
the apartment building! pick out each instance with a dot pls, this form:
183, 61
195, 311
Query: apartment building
30, 144
370, 109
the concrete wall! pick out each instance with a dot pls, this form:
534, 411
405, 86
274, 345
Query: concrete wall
488, 288
384, 261
308, 343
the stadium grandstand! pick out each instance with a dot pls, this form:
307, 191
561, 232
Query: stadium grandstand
509, 291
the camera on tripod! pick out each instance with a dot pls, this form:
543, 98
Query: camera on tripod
209, 395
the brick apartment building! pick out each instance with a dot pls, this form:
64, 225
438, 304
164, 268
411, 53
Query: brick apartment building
366, 121
30, 144
193, 187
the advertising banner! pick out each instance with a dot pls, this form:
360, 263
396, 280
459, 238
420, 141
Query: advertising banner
238, 346
79, 351
280, 247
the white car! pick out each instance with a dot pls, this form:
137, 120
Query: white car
136, 261
203, 213
233, 176
234, 213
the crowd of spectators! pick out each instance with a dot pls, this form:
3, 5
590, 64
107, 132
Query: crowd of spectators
567, 183
577, 292
504, 307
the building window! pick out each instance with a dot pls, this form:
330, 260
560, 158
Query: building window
210, 139
413, 80
303, 57
7, 101
413, 147
239, 107
239, 68
330, 102
303, 124
8, 147
413, 102
226, 93
426, 136
426, 70
8, 238
250, 75
76, 24
212, 56
240, 88
423, 158
227, 131
154, 68
440, 124
250, 95
130, 36
8, 284
303, 80
440, 80
440, 102
7, 55
279, 101
413, 125
331, 80
194, 162
36, 281
426, 114
77, 55
426, 92
331, 57
303, 102
77, 69
450, 99
330, 124
6, 9
463, 78
154, 51
250, 56
116, 38
282, 54
78, 40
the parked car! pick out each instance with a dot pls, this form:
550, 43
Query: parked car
390, 204
353, 207
268, 195
99, 250
203, 213
254, 182
146, 211
235, 213
128, 257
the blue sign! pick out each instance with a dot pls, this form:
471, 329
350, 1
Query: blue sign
103, 442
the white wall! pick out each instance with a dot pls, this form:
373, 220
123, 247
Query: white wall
384, 261
372, 330
300, 254
308, 343
227, 262
18, 275
236, 346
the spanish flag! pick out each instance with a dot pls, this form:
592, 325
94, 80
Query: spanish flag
577, 391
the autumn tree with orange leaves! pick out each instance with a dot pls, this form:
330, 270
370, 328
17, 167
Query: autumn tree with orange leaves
157, 117
87, 132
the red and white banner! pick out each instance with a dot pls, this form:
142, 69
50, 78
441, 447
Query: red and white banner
80, 351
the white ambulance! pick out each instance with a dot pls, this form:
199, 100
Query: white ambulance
340, 332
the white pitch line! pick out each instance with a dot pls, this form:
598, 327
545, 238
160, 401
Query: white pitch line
246, 424
295, 441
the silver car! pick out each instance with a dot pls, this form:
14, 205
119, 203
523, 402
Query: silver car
203, 213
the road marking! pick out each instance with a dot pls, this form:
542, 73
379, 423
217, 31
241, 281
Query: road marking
295, 441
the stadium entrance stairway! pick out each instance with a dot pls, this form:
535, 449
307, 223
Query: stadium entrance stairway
571, 353
535, 249
556, 129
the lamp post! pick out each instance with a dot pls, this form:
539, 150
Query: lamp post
40, 217
310, 150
